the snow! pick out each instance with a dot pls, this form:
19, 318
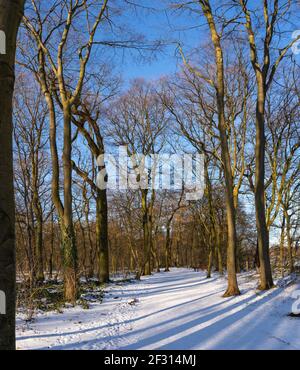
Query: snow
177, 310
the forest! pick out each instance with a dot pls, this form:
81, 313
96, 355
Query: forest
148, 149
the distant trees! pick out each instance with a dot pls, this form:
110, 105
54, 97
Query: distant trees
10, 17
171, 208
138, 121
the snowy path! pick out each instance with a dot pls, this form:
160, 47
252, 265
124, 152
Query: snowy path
176, 310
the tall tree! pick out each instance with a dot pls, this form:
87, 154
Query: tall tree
11, 13
87, 114
265, 72
219, 85
55, 67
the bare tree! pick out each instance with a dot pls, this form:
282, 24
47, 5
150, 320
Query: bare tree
32, 170
10, 17
89, 113
59, 89
265, 72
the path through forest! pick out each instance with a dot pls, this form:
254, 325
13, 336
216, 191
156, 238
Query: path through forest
176, 310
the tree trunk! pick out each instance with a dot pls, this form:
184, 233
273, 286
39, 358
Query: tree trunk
266, 280
69, 263
68, 234
102, 236
146, 235
168, 249
38, 232
229, 196
209, 264
51, 247
219, 252
282, 247
289, 242
230, 210
10, 16
39, 251
155, 256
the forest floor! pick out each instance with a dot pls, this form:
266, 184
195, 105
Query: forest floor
177, 310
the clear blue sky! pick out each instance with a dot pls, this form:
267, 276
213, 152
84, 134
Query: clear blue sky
160, 22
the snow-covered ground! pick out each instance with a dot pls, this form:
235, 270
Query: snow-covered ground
176, 310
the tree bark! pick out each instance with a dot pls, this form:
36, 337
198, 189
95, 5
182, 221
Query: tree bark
146, 235
39, 247
219, 251
231, 214
168, 249
266, 280
68, 233
289, 242
209, 264
38, 230
282, 247
11, 12
102, 236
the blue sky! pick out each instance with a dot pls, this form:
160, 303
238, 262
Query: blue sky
160, 22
